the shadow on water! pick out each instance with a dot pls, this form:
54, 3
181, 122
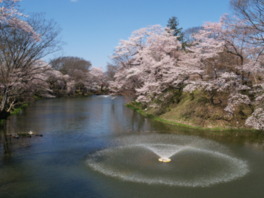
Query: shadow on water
6, 140
234, 136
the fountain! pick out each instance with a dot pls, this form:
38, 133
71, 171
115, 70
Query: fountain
164, 151
168, 160
164, 159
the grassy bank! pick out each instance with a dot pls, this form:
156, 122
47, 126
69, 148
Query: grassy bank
16, 111
164, 118
19, 109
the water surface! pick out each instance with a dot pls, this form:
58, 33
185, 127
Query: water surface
74, 129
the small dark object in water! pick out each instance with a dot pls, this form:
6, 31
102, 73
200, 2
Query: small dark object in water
29, 134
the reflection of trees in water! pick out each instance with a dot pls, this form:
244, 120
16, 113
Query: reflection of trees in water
10, 140
5, 139
122, 118
137, 122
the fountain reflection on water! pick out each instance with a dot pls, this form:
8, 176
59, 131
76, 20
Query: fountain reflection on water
194, 162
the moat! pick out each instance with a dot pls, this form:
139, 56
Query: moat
97, 147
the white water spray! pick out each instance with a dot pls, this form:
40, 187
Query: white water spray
194, 162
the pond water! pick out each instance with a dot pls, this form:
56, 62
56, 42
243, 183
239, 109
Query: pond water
96, 147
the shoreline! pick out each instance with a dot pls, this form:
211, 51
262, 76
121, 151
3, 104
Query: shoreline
188, 126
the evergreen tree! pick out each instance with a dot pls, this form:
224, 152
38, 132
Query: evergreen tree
173, 24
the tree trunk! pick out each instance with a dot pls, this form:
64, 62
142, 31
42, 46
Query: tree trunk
3, 113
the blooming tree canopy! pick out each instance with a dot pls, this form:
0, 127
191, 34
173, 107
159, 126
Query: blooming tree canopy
220, 60
11, 16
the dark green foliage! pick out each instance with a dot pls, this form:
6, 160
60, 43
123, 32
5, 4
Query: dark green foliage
173, 24
19, 109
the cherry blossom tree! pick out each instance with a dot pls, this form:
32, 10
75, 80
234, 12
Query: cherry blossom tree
218, 62
156, 66
256, 120
77, 69
137, 57
10, 16
98, 82
15, 89
125, 57
206, 48
60, 84
19, 59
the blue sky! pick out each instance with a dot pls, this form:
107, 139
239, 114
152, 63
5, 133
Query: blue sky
92, 28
